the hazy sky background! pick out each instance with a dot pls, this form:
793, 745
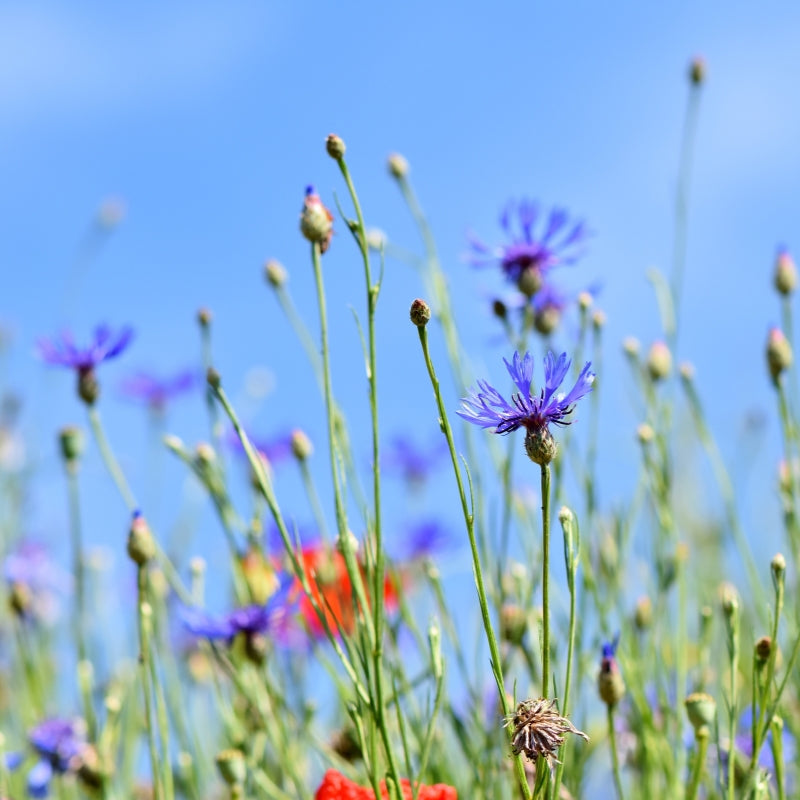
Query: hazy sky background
207, 120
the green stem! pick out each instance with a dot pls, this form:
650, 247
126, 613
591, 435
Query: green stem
469, 519
545, 469
612, 737
143, 611
697, 767
112, 465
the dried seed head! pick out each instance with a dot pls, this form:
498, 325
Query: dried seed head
539, 729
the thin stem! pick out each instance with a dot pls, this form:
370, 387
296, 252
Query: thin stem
469, 520
697, 767
112, 465
545, 469
612, 738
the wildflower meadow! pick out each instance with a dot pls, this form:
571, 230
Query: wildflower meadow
383, 518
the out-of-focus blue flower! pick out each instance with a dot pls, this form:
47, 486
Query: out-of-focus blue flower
61, 746
105, 345
275, 449
489, 409
156, 391
272, 619
530, 254
414, 463
425, 539
36, 581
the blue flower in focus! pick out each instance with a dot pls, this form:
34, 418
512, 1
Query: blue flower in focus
489, 409
530, 254
105, 345
61, 745
156, 391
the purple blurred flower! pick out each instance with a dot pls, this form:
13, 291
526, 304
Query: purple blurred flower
35, 581
157, 391
106, 344
276, 449
271, 619
426, 538
404, 457
530, 254
489, 409
61, 745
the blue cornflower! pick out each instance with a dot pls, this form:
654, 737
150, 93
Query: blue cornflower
62, 747
530, 255
405, 457
63, 352
155, 391
610, 685
489, 409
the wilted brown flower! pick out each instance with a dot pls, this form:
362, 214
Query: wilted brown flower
539, 729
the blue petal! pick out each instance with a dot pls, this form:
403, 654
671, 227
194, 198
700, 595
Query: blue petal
39, 779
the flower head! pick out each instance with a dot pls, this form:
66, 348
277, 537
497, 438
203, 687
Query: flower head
62, 748
316, 222
336, 786
539, 729
63, 352
489, 409
610, 685
529, 255
155, 391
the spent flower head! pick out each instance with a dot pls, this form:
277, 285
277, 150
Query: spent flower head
531, 252
489, 409
539, 730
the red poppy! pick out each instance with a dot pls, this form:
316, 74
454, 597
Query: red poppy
335, 786
332, 590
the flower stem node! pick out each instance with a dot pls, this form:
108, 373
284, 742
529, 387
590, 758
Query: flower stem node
785, 278
141, 544
302, 449
316, 222
232, 767
701, 708
72, 444
539, 730
335, 146
779, 353
540, 446
659, 361
275, 273
420, 313
398, 166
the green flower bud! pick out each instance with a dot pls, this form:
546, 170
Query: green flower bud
72, 444
141, 544
779, 353
659, 361
302, 449
420, 313
785, 278
513, 623
697, 71
398, 166
232, 766
701, 708
275, 273
335, 147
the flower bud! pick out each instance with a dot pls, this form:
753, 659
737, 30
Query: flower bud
778, 567
643, 615
398, 166
72, 444
631, 346
204, 317
376, 239
335, 147
420, 313
513, 623
540, 446
701, 708
275, 273
645, 433
585, 300
659, 361
546, 319
686, 371
213, 378
729, 599
232, 766
141, 545
302, 449
763, 650
779, 353
499, 309
599, 319
785, 278
347, 543
88, 386
610, 684
316, 222
697, 71
530, 281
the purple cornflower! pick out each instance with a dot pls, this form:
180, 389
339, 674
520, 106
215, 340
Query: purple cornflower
404, 457
156, 391
35, 582
254, 621
529, 256
63, 352
489, 409
61, 745
426, 538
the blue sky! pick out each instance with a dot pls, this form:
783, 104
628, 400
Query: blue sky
209, 119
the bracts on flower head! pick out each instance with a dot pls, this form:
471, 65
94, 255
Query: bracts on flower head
539, 730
